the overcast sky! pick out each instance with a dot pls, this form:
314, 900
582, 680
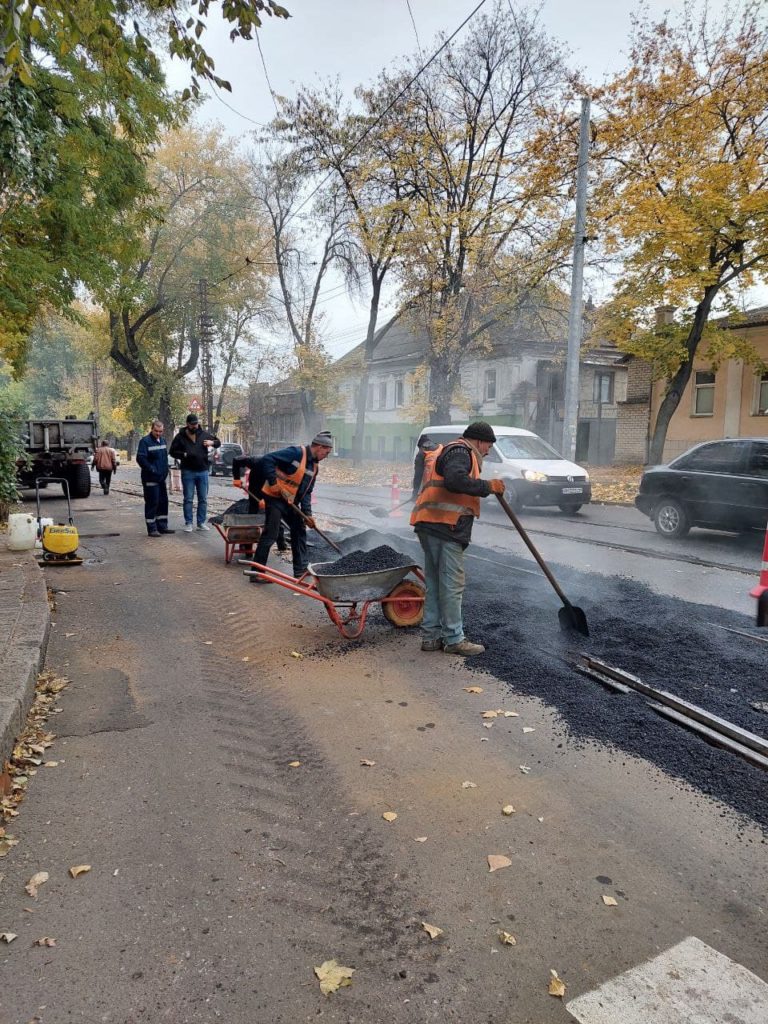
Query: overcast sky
355, 39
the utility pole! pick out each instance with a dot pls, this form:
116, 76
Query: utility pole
576, 311
206, 341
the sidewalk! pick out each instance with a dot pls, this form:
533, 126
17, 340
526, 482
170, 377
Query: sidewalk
25, 620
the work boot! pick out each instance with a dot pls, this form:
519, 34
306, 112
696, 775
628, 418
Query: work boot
466, 648
153, 533
432, 645
166, 530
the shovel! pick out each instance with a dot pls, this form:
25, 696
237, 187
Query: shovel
317, 528
383, 513
571, 617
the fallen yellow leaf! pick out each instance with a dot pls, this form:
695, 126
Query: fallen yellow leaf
295, 654
507, 809
333, 976
45, 941
38, 879
389, 816
511, 714
366, 763
246, 658
528, 728
489, 714
496, 861
556, 985
208, 643
79, 869
469, 785
294, 764
8, 936
506, 939
487, 725
432, 930
420, 839
50, 764
473, 689
609, 901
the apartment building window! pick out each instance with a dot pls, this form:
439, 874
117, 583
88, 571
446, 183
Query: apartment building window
399, 394
383, 395
761, 405
704, 393
602, 388
490, 385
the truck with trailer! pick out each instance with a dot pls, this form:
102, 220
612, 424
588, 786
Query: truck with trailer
57, 448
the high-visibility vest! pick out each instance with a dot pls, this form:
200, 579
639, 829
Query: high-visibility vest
290, 482
435, 503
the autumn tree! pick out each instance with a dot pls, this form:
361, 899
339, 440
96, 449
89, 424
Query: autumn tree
199, 221
82, 99
336, 138
683, 191
483, 232
309, 237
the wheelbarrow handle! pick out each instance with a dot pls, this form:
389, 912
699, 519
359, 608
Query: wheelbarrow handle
533, 549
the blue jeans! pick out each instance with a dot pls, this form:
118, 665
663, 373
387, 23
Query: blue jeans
444, 576
195, 480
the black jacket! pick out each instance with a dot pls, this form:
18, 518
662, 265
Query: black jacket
192, 454
455, 465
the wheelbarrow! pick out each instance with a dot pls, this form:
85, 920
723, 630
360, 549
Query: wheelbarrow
347, 599
239, 532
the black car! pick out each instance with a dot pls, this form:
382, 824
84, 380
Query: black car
720, 484
220, 460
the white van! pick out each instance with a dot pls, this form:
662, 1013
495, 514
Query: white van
534, 473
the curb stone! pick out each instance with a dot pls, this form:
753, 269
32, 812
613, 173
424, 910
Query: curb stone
25, 622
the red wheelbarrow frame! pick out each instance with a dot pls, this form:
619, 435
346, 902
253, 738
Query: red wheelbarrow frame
244, 547
350, 626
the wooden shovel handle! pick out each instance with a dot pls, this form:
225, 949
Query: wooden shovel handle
318, 531
533, 549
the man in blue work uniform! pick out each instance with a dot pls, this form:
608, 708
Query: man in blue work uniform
290, 474
152, 457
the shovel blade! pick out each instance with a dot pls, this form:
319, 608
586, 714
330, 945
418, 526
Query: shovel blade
573, 620
380, 512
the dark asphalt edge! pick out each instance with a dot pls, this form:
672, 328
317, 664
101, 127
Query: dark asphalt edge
25, 654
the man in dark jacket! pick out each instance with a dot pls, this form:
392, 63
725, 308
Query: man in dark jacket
191, 447
424, 444
256, 480
290, 474
152, 457
446, 506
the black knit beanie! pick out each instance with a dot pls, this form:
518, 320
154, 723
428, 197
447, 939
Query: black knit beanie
480, 431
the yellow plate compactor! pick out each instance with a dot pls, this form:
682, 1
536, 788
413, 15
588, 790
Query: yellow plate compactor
59, 540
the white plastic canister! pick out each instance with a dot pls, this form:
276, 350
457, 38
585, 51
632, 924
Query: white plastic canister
22, 531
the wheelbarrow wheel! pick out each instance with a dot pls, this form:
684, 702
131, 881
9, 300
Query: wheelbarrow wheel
407, 605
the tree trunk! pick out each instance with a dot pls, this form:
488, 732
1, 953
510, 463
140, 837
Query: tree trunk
678, 383
164, 411
441, 382
362, 405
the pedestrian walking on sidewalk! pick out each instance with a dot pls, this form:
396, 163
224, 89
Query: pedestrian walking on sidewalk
291, 473
152, 457
105, 461
447, 504
192, 447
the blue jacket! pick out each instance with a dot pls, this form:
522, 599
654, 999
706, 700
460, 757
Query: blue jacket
152, 456
286, 459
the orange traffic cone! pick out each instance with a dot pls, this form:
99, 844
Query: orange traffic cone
761, 590
395, 497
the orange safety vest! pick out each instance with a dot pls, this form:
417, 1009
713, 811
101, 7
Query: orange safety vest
290, 482
435, 503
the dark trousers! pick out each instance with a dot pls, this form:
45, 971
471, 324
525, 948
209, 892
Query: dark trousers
277, 511
105, 478
254, 509
155, 505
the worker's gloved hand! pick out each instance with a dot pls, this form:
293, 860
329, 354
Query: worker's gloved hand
497, 486
310, 522
262, 505
237, 483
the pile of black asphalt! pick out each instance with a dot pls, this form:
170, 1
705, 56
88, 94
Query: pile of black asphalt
375, 560
672, 644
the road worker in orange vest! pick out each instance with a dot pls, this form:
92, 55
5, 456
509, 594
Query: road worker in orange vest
290, 474
447, 504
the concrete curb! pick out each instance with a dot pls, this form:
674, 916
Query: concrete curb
25, 623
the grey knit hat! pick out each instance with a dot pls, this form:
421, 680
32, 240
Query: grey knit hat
324, 437
480, 431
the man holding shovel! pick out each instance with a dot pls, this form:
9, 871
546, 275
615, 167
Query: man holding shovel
290, 474
447, 504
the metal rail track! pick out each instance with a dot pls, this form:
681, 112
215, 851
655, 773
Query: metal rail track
712, 728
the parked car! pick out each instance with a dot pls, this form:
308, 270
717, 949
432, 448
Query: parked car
534, 473
220, 459
719, 484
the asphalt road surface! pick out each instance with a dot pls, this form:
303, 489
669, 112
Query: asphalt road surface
221, 876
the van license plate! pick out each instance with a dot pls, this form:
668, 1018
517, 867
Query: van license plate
573, 490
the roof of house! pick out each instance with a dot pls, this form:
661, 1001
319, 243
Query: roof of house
756, 317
